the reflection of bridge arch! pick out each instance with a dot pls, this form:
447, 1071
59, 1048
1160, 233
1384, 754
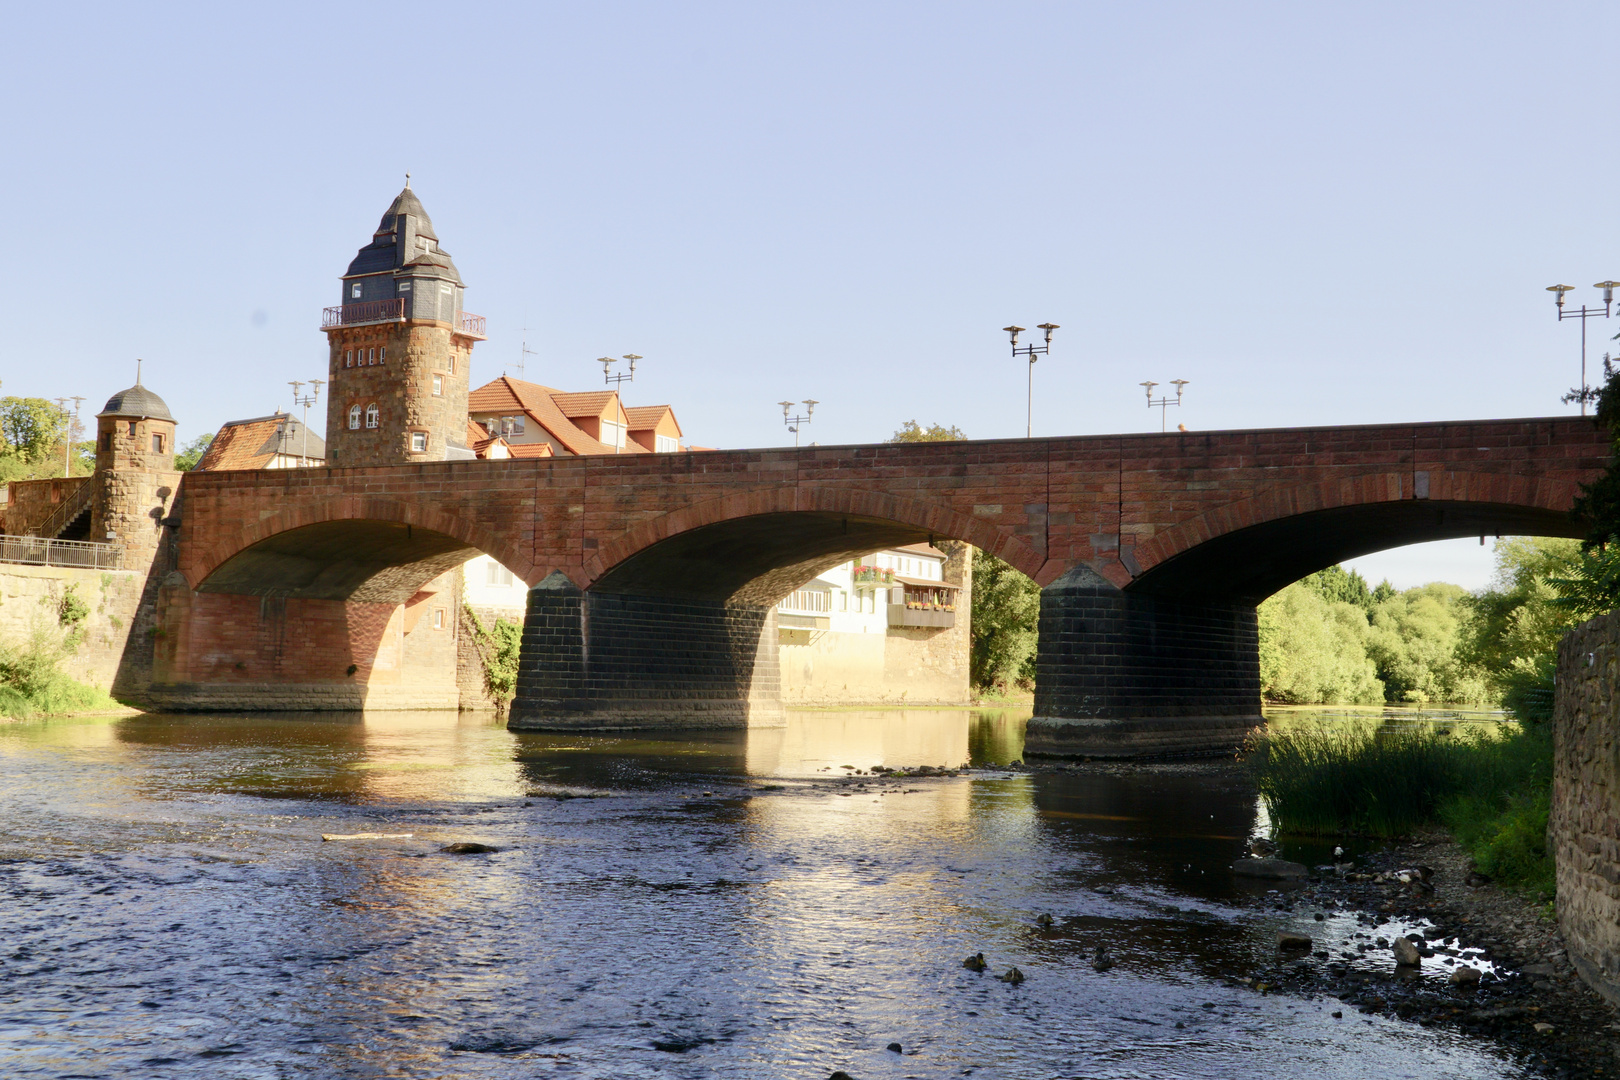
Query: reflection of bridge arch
1250, 548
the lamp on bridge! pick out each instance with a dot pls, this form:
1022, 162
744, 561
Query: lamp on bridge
306, 401
1583, 393
1163, 404
612, 380
1031, 351
794, 422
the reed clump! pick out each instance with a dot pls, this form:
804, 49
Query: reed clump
32, 682
1492, 789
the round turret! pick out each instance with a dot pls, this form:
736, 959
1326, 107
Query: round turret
135, 430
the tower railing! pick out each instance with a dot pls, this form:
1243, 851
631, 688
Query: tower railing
471, 325
369, 311
42, 551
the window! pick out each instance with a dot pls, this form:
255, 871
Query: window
811, 600
438, 386
438, 618
517, 425
666, 444
444, 288
354, 418
373, 356
452, 363
843, 600
371, 415
106, 440
157, 444
348, 358
382, 355
132, 429
404, 286
354, 291
612, 434
418, 441
498, 575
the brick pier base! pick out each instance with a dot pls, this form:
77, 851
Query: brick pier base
604, 661
1125, 675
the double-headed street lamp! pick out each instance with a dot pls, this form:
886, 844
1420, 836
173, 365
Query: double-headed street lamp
306, 401
1583, 393
612, 380
795, 422
1163, 404
1031, 351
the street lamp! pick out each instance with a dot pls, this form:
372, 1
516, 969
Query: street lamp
1031, 351
1584, 393
1163, 404
306, 401
607, 363
795, 422
72, 430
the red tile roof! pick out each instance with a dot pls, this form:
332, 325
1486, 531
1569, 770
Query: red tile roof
253, 444
646, 417
589, 403
529, 449
540, 404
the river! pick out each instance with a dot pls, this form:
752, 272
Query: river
716, 906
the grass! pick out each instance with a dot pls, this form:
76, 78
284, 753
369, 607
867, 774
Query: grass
1492, 789
32, 682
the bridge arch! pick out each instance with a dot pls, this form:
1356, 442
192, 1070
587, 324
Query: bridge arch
755, 547
360, 549
1249, 549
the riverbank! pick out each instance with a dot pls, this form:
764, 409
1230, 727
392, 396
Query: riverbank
1529, 999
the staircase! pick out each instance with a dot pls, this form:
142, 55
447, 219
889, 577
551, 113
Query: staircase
68, 512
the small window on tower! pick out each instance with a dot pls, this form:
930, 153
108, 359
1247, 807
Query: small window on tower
418, 441
132, 429
438, 386
373, 356
404, 286
348, 358
444, 288
354, 418
157, 444
354, 291
382, 355
438, 618
106, 440
371, 415
452, 364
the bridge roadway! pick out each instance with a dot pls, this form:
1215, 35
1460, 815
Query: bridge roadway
654, 577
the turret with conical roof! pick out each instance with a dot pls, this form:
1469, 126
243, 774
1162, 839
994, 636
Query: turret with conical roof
400, 345
135, 475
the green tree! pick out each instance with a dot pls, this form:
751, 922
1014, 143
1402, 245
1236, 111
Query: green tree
1418, 645
1314, 650
1006, 614
1519, 617
1599, 501
911, 431
31, 434
187, 457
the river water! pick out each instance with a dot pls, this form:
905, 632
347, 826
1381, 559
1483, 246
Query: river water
684, 907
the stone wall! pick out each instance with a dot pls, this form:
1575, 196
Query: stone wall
30, 502
30, 597
1584, 829
401, 386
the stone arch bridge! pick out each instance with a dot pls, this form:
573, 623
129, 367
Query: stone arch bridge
654, 576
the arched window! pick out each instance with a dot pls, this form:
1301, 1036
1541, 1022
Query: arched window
373, 356
371, 415
348, 358
354, 418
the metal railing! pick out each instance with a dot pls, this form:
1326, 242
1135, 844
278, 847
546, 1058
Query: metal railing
41, 551
70, 508
472, 325
370, 311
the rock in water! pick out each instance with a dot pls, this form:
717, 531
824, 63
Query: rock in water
1271, 869
1286, 940
895, 1047
840, 1075
1465, 976
975, 962
1013, 976
466, 847
1406, 953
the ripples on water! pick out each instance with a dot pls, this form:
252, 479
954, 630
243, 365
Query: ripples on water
686, 907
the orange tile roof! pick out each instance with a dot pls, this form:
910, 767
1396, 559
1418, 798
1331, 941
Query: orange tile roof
922, 549
539, 403
646, 417
529, 449
252, 444
588, 403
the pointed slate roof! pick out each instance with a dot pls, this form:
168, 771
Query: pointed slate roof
393, 246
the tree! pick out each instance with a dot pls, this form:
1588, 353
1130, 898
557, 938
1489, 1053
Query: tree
187, 457
911, 431
1599, 501
1006, 615
31, 434
1314, 650
1541, 587
1417, 643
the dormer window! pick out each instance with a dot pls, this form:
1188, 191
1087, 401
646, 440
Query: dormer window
354, 291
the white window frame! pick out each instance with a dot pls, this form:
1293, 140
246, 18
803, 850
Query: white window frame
404, 286
373, 417
354, 417
666, 444
355, 290
438, 386
419, 442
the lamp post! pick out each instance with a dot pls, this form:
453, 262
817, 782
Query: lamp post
795, 422
612, 380
1584, 393
1031, 351
1163, 404
306, 401
72, 429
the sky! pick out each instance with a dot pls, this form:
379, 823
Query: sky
1316, 214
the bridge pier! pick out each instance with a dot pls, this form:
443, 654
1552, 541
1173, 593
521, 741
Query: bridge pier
603, 661
1122, 675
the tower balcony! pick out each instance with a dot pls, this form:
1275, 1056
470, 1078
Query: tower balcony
386, 311
371, 311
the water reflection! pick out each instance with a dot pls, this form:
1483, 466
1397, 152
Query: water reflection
691, 906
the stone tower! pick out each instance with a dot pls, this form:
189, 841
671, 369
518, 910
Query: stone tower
400, 346
135, 478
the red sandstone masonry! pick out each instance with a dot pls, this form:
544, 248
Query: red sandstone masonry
1044, 505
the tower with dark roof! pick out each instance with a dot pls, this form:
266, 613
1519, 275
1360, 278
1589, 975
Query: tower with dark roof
135, 475
400, 346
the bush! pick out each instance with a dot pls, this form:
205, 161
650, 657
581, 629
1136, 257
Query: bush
32, 682
499, 648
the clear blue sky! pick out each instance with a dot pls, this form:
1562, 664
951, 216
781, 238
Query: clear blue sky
1318, 214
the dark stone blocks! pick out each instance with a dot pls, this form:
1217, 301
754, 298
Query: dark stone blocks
594, 661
